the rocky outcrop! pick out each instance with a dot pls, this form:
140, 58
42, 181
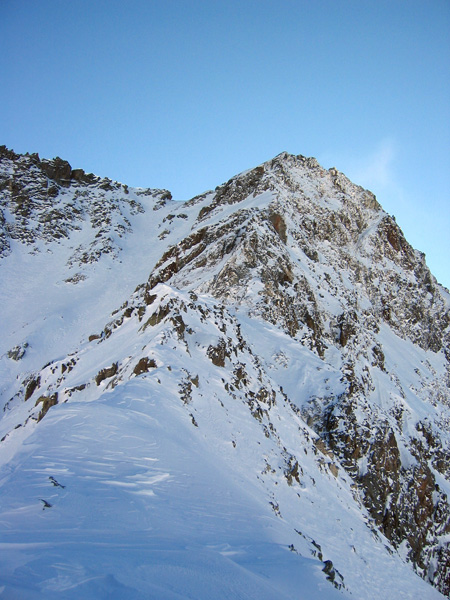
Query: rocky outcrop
58, 170
47, 402
403, 496
144, 365
106, 373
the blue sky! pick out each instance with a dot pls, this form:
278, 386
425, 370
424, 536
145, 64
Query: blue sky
185, 94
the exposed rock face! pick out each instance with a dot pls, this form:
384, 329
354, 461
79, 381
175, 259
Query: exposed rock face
144, 365
313, 255
58, 170
106, 373
47, 403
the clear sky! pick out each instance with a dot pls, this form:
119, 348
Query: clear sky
184, 94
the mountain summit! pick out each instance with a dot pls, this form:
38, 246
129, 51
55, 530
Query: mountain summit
245, 395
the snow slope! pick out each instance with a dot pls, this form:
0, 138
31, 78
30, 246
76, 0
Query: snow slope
163, 428
155, 488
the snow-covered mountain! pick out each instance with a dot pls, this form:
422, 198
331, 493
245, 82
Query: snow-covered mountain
246, 395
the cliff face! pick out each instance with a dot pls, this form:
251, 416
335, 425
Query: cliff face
286, 302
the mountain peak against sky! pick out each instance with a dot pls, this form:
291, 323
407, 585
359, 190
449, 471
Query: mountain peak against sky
253, 383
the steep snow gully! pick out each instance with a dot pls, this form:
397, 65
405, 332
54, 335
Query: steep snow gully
242, 396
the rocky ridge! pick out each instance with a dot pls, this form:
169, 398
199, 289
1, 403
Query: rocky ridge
46, 200
313, 256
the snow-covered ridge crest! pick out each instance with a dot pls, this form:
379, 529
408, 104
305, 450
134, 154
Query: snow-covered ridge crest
282, 336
